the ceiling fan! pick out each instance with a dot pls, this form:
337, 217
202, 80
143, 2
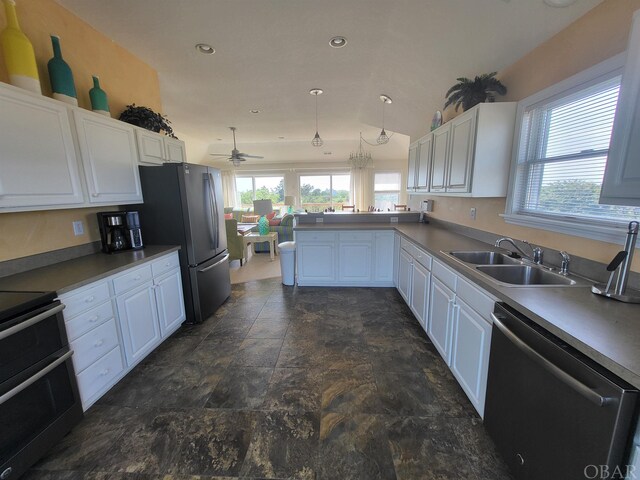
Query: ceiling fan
236, 156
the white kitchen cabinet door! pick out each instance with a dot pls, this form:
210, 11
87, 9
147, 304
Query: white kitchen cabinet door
138, 322
38, 164
405, 270
412, 168
462, 149
383, 254
110, 158
439, 159
150, 147
174, 150
354, 263
420, 281
424, 163
621, 184
396, 258
470, 353
315, 262
168, 290
441, 314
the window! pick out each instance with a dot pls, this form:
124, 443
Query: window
249, 189
563, 143
386, 190
319, 192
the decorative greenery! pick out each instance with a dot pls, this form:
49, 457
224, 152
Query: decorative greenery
469, 93
146, 118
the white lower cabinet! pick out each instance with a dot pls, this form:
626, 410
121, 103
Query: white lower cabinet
441, 316
405, 270
139, 322
352, 258
419, 304
114, 323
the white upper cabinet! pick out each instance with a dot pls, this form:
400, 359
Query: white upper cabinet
471, 154
156, 149
411, 172
424, 163
38, 163
621, 185
110, 158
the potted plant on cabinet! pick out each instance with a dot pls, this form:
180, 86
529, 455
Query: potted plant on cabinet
469, 93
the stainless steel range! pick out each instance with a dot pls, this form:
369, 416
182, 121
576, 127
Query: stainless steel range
39, 401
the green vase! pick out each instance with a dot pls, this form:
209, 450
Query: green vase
18, 53
99, 102
61, 76
263, 225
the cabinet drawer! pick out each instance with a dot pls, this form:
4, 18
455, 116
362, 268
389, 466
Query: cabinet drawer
422, 257
94, 344
165, 264
445, 275
88, 320
101, 374
355, 236
316, 236
406, 245
132, 279
85, 298
476, 298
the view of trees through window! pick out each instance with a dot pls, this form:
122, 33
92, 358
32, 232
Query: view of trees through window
386, 187
319, 192
249, 189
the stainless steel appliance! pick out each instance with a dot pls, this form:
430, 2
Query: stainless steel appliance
119, 231
183, 206
552, 412
39, 401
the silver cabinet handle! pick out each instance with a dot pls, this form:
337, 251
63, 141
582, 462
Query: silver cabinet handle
214, 265
32, 321
553, 369
30, 381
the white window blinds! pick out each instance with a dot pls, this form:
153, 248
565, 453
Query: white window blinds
562, 153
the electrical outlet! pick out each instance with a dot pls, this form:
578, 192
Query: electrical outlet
393, 219
472, 213
319, 220
78, 228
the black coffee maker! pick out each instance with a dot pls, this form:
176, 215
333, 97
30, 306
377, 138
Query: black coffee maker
119, 231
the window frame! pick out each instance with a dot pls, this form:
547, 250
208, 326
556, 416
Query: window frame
386, 172
253, 177
582, 227
330, 174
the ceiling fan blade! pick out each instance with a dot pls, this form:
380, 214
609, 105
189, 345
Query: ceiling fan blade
219, 154
245, 155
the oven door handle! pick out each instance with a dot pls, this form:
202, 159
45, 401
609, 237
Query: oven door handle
32, 321
552, 368
31, 380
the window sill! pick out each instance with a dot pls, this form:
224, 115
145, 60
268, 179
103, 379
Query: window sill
570, 226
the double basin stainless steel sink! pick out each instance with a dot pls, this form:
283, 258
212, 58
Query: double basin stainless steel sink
511, 271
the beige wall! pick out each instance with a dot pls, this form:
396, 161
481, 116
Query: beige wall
596, 36
124, 77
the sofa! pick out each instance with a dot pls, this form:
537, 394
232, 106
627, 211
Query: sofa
285, 229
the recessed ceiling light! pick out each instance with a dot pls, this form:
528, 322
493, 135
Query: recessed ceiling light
206, 49
328, 153
219, 139
338, 42
281, 138
559, 3
255, 112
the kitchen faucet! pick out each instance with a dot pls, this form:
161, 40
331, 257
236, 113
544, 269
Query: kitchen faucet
537, 252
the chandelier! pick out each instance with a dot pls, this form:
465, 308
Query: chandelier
359, 159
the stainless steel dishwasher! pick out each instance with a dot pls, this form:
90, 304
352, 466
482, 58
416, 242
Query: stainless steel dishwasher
552, 412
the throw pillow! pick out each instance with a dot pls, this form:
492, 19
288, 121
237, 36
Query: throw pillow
228, 216
274, 222
270, 215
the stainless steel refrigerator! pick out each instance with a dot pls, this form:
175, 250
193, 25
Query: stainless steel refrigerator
183, 205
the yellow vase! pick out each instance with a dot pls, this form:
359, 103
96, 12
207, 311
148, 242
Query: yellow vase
18, 53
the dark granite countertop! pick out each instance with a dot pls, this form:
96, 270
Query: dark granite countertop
66, 276
605, 330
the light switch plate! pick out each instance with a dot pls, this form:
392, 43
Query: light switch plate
472, 213
78, 228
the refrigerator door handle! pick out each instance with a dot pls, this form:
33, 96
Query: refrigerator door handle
215, 210
211, 217
215, 264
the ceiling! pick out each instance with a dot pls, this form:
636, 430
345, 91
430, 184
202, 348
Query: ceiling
270, 53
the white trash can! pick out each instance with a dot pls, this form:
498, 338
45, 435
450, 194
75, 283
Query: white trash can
288, 262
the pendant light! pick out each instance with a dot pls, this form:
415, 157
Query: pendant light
317, 141
383, 137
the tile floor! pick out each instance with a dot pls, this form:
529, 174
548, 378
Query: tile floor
303, 383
